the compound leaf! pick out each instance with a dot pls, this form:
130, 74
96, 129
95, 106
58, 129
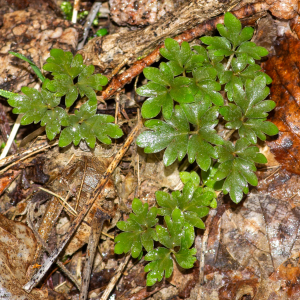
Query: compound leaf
161, 264
88, 83
186, 257
163, 89
181, 58
232, 30
249, 113
193, 203
200, 144
84, 124
220, 45
53, 119
237, 165
204, 84
63, 85
63, 63
253, 51
33, 104
138, 230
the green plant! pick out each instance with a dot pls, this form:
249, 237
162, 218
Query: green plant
51, 105
197, 90
67, 9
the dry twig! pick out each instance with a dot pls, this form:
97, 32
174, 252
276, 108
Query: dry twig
96, 228
115, 279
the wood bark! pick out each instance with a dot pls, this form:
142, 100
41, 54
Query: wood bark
111, 51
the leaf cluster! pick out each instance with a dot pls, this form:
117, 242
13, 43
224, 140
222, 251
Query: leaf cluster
195, 90
174, 236
71, 78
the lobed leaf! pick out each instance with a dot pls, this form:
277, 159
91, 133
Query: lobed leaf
172, 135
85, 125
138, 230
33, 104
237, 165
63, 63
232, 30
181, 58
161, 264
204, 84
250, 112
193, 202
163, 90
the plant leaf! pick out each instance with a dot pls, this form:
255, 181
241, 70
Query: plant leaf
33, 104
193, 202
88, 126
172, 135
34, 67
138, 230
163, 90
237, 165
161, 264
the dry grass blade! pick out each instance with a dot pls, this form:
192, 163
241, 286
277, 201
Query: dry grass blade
98, 190
23, 155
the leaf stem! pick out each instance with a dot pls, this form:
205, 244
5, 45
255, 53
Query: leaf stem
194, 132
229, 134
229, 61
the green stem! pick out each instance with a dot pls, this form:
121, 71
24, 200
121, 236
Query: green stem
194, 132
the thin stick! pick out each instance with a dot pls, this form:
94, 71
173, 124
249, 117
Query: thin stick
97, 224
272, 173
115, 279
97, 192
229, 134
75, 11
12, 136
42, 242
23, 155
89, 20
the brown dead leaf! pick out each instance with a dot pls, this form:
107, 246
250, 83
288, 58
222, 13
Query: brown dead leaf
7, 179
17, 247
283, 9
285, 91
251, 251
